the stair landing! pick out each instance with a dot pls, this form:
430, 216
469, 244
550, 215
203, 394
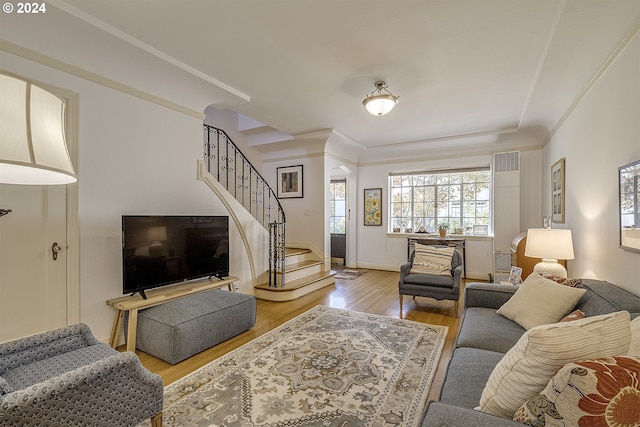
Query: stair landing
302, 284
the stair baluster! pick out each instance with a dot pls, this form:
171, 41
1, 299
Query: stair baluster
233, 170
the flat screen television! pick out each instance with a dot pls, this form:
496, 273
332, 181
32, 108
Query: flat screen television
162, 250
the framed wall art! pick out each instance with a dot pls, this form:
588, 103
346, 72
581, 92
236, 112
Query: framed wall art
557, 192
629, 184
290, 184
373, 206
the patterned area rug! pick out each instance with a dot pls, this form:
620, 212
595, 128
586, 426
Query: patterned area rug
326, 367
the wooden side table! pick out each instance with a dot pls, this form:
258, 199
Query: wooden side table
133, 303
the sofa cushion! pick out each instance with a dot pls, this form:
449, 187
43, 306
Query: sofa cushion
527, 367
432, 260
27, 375
479, 330
593, 392
540, 301
603, 297
468, 372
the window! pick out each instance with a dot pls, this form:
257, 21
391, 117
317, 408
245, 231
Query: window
338, 206
458, 198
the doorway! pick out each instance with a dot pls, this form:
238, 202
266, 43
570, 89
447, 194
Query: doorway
41, 292
338, 221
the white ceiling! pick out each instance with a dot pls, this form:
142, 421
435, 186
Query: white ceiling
472, 75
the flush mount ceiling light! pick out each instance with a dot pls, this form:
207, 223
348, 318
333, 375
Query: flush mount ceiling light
378, 103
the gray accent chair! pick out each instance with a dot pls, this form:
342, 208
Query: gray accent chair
431, 285
66, 377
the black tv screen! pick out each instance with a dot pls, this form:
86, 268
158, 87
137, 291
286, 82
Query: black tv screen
161, 250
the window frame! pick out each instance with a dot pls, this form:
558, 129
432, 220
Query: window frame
423, 191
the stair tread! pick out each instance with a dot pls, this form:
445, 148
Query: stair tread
299, 283
295, 251
300, 265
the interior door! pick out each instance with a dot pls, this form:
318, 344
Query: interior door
33, 286
338, 220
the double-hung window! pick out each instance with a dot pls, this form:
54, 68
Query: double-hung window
423, 201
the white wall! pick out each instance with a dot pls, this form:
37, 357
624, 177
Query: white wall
135, 157
602, 134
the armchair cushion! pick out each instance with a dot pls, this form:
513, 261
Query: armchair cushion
4, 387
432, 260
27, 375
42, 346
427, 279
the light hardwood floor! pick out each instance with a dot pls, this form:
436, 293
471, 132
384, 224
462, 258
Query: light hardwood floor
373, 292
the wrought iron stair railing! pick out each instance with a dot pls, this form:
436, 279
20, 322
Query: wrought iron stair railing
234, 171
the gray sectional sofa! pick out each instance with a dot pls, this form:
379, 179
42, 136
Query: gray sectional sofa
485, 336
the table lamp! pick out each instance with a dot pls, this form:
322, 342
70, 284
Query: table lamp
550, 245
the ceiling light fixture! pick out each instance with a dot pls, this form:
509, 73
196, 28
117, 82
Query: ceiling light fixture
378, 103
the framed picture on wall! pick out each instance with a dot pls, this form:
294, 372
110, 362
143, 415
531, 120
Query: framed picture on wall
373, 206
290, 182
557, 191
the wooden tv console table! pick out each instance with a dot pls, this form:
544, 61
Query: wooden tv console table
134, 303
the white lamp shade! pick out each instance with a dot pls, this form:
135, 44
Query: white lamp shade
380, 105
32, 140
549, 243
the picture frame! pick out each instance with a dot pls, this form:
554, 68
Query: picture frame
629, 206
515, 276
290, 182
480, 230
557, 191
373, 206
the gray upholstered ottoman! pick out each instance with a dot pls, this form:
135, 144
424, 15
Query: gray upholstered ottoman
185, 326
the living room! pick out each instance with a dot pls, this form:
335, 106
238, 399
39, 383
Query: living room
139, 135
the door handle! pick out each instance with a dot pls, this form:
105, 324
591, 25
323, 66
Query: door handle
55, 248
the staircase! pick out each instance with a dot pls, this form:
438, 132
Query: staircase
303, 271
304, 275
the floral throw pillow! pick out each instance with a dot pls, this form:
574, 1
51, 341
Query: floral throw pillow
573, 283
598, 392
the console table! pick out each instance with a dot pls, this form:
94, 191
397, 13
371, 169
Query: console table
133, 303
454, 242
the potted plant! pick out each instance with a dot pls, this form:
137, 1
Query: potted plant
442, 228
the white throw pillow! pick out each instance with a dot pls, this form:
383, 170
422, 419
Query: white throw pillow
634, 348
540, 301
525, 370
432, 260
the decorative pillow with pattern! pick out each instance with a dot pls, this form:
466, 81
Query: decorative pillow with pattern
528, 366
432, 260
598, 392
540, 301
574, 315
574, 283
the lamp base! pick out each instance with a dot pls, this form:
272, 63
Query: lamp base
550, 267
156, 249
